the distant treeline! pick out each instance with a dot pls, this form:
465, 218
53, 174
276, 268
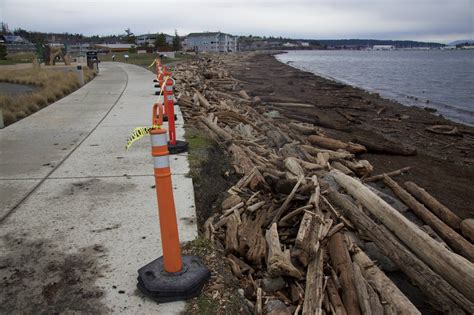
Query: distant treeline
372, 42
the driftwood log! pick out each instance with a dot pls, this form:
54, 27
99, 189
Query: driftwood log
457, 270
342, 264
333, 144
451, 237
434, 205
442, 295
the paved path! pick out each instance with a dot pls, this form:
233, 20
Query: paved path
78, 212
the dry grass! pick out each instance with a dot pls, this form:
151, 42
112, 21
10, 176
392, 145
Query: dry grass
52, 86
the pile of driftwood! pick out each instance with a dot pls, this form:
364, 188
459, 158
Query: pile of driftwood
295, 226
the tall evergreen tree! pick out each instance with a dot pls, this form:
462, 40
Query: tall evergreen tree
176, 41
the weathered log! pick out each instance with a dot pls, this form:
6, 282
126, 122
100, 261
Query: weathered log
202, 100
386, 146
341, 167
333, 155
386, 288
314, 291
294, 213
278, 260
258, 303
244, 95
342, 264
252, 243
361, 290
451, 237
231, 236
333, 144
361, 167
434, 205
303, 129
467, 228
223, 135
295, 169
230, 201
380, 176
287, 201
454, 268
375, 304
440, 293
334, 298
297, 105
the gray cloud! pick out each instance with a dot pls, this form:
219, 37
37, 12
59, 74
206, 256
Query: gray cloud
398, 19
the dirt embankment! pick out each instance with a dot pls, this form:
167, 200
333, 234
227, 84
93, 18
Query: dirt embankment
444, 164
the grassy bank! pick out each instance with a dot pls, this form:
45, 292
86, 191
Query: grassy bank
53, 85
142, 60
14, 58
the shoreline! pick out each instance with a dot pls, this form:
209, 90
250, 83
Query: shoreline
440, 109
443, 163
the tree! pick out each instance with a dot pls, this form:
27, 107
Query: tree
130, 36
160, 40
176, 41
3, 52
4, 29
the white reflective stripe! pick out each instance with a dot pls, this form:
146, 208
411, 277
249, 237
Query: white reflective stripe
158, 140
170, 98
161, 161
169, 88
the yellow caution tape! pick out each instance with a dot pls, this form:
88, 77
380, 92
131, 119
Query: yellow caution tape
139, 133
163, 85
154, 61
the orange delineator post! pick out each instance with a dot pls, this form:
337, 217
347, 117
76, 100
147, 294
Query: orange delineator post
172, 260
168, 99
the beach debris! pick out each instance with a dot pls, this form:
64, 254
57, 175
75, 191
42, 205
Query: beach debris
444, 130
294, 229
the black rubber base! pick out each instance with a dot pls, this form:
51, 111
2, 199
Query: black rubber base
165, 117
164, 287
179, 147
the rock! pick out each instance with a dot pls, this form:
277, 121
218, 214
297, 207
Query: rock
273, 284
276, 307
386, 264
230, 201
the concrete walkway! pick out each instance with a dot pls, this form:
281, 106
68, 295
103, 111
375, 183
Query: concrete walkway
78, 213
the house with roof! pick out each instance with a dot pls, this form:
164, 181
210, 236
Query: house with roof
16, 43
151, 38
210, 42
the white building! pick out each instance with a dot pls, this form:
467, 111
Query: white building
151, 38
210, 42
383, 47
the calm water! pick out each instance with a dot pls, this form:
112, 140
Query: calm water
439, 79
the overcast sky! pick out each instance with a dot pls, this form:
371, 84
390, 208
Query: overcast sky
426, 20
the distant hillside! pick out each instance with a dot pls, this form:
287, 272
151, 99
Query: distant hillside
462, 41
371, 42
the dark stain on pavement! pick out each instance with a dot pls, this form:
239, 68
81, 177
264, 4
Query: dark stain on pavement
96, 186
37, 278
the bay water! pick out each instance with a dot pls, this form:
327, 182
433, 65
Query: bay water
439, 79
